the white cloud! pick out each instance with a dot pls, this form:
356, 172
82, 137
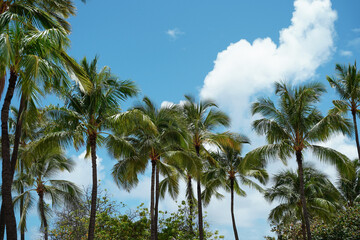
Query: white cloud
346, 53
174, 33
82, 172
356, 30
245, 69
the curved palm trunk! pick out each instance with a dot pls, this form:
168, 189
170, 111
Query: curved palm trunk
232, 208
152, 215
91, 233
200, 215
7, 173
14, 155
42, 213
353, 112
191, 205
302, 193
157, 191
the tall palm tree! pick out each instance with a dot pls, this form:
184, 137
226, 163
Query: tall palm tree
231, 170
150, 144
87, 115
321, 197
347, 85
30, 57
294, 127
46, 163
349, 183
201, 118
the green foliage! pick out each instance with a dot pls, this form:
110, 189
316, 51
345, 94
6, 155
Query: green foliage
71, 224
346, 225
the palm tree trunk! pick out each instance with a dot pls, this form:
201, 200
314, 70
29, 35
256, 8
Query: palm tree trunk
2, 222
302, 193
353, 112
22, 229
191, 205
200, 215
14, 155
7, 173
232, 208
91, 233
17, 136
42, 213
152, 197
157, 192
303, 229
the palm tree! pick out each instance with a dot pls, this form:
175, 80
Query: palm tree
349, 183
347, 85
294, 127
231, 170
87, 115
32, 57
201, 118
46, 163
148, 144
321, 197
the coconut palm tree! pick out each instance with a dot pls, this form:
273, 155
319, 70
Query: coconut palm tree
231, 170
322, 198
201, 118
34, 58
349, 183
46, 164
294, 127
148, 144
347, 85
87, 115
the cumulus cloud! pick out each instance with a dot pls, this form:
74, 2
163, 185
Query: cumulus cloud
245, 69
174, 33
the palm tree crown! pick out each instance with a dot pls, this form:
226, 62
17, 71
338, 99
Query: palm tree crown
294, 127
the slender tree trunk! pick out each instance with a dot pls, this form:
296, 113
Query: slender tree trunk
42, 213
7, 173
2, 222
157, 192
152, 197
91, 233
22, 232
303, 229
191, 205
14, 154
22, 229
17, 136
353, 112
232, 208
200, 215
302, 193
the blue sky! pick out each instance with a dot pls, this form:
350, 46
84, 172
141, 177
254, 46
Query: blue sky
207, 49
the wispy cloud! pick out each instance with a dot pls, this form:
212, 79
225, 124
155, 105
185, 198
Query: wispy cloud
174, 33
346, 53
356, 30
